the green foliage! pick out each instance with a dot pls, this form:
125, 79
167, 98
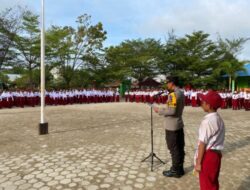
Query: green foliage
229, 63
4, 78
78, 54
27, 44
73, 49
134, 58
24, 81
192, 58
17, 70
10, 25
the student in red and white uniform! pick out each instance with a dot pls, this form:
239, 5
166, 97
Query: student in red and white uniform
1, 105
126, 96
235, 101
186, 97
224, 100
117, 96
241, 99
137, 96
131, 96
207, 159
194, 98
229, 95
151, 97
247, 101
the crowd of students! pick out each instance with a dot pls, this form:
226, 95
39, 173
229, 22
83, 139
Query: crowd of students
236, 100
21, 98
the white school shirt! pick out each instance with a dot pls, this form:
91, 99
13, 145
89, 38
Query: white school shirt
229, 95
247, 96
194, 94
241, 95
211, 132
235, 96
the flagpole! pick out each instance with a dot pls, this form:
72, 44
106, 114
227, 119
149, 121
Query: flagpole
43, 126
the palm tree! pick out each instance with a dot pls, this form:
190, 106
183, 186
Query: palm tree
230, 64
231, 67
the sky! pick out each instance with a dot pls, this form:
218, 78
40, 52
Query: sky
133, 19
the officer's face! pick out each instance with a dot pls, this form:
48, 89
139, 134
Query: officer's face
170, 86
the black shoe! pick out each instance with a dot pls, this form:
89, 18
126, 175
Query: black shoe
181, 171
172, 173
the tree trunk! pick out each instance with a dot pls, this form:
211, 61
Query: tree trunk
30, 78
233, 85
229, 83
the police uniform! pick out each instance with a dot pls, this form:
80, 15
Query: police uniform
174, 129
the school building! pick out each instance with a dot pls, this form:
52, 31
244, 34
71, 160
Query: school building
243, 78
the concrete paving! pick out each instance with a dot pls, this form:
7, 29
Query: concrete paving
100, 146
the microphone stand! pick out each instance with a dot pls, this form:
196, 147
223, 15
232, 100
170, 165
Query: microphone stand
152, 155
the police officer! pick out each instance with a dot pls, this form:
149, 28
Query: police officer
172, 113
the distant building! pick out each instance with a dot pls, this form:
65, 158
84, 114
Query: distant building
114, 84
243, 78
149, 83
13, 77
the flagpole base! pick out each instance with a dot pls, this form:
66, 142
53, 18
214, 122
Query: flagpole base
43, 128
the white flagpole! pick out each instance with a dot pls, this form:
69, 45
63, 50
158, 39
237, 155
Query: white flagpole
43, 127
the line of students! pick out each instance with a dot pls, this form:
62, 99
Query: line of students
236, 100
9, 99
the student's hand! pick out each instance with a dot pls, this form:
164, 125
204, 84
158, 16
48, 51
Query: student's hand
197, 167
156, 109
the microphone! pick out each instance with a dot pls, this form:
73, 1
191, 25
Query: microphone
159, 93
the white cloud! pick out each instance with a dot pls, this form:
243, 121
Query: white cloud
226, 17
245, 55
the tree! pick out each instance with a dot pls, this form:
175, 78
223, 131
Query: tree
96, 67
10, 25
134, 58
71, 49
27, 44
167, 62
4, 78
230, 64
193, 58
37, 78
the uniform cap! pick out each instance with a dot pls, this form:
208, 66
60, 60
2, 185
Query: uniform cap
212, 98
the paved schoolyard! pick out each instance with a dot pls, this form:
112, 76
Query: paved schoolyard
100, 146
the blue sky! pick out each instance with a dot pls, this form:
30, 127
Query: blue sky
132, 19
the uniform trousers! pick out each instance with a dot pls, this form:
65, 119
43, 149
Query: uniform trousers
210, 169
175, 143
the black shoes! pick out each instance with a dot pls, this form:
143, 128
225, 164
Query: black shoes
172, 173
